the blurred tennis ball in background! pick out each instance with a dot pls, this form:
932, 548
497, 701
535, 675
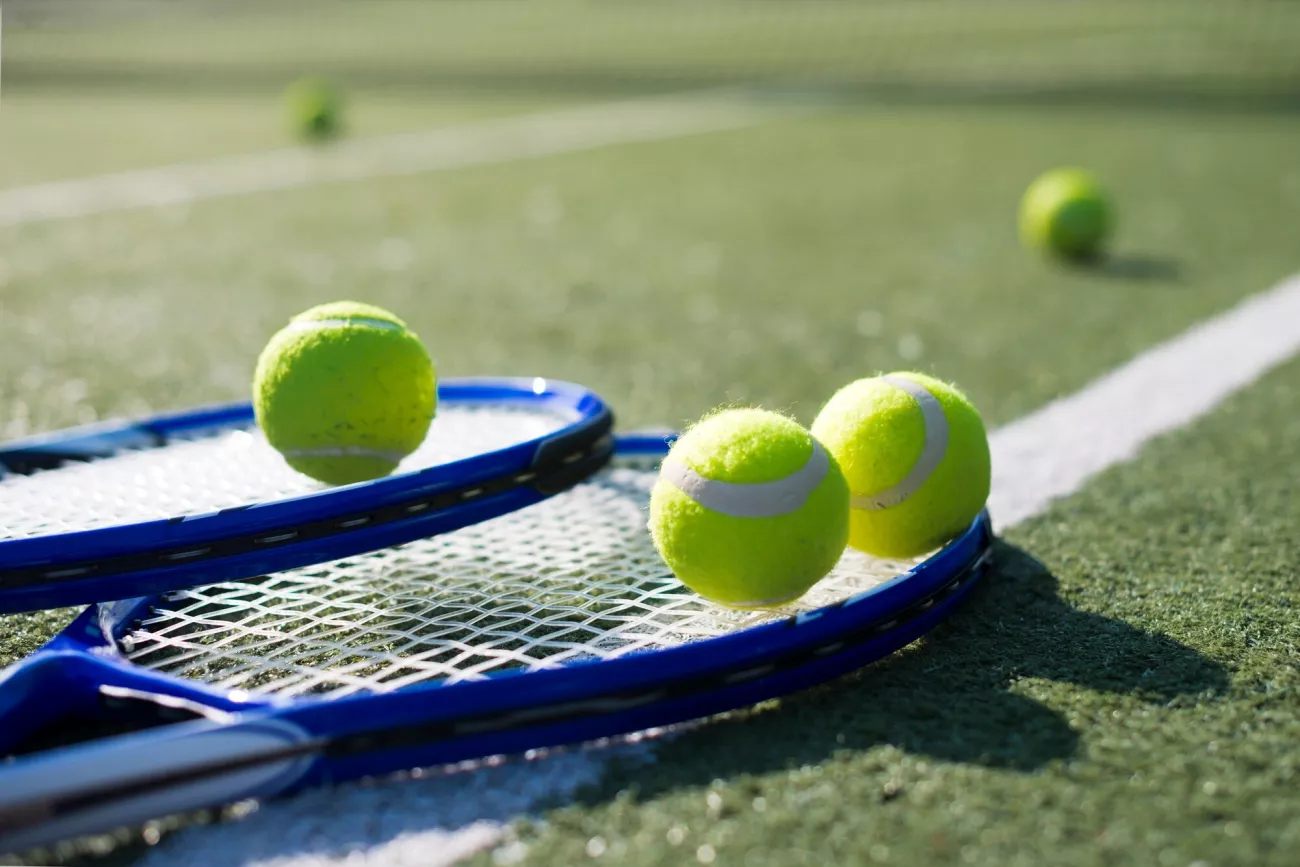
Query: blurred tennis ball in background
315, 109
749, 510
1066, 212
344, 392
916, 457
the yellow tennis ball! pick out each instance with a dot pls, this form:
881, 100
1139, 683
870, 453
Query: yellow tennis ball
344, 392
916, 457
315, 109
1066, 212
749, 510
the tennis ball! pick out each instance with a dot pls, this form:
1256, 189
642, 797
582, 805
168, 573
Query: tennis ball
344, 392
1066, 212
749, 510
315, 109
916, 458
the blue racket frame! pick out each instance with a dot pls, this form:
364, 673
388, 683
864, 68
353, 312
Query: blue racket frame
150, 557
235, 746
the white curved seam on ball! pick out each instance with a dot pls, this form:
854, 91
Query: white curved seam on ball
757, 500
317, 324
936, 445
344, 452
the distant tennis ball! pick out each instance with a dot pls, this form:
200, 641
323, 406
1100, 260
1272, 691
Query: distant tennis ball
1066, 212
315, 109
344, 392
916, 457
749, 510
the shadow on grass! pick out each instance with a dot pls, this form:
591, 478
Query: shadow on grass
1131, 266
1145, 268
949, 696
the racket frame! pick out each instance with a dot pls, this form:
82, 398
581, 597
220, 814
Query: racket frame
151, 557
241, 746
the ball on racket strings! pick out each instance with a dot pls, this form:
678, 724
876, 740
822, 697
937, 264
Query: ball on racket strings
315, 109
1066, 212
749, 510
344, 392
916, 457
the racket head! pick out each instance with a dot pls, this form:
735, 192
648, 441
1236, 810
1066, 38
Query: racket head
237, 679
137, 508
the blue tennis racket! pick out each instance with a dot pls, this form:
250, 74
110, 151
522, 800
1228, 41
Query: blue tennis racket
129, 509
549, 625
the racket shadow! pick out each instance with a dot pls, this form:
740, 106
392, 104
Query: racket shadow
951, 695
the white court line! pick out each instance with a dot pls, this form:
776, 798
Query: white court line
1052, 452
476, 144
1046, 455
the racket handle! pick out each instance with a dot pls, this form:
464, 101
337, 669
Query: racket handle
129, 779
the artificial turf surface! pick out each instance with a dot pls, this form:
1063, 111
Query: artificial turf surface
768, 265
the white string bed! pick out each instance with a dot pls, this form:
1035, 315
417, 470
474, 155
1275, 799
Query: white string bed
235, 468
575, 577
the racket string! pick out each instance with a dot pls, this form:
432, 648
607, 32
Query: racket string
231, 469
573, 578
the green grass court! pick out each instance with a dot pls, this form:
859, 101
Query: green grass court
1124, 688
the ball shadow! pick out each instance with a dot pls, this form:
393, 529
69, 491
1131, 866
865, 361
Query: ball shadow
949, 696
1135, 267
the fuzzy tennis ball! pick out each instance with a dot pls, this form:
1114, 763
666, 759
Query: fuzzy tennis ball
916, 457
315, 109
1066, 212
749, 509
344, 392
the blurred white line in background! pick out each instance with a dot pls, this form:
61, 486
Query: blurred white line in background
480, 143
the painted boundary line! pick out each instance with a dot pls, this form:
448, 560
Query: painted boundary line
1053, 451
476, 144
1048, 454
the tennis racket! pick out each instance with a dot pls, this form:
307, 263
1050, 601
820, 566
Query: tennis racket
554, 624
129, 509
